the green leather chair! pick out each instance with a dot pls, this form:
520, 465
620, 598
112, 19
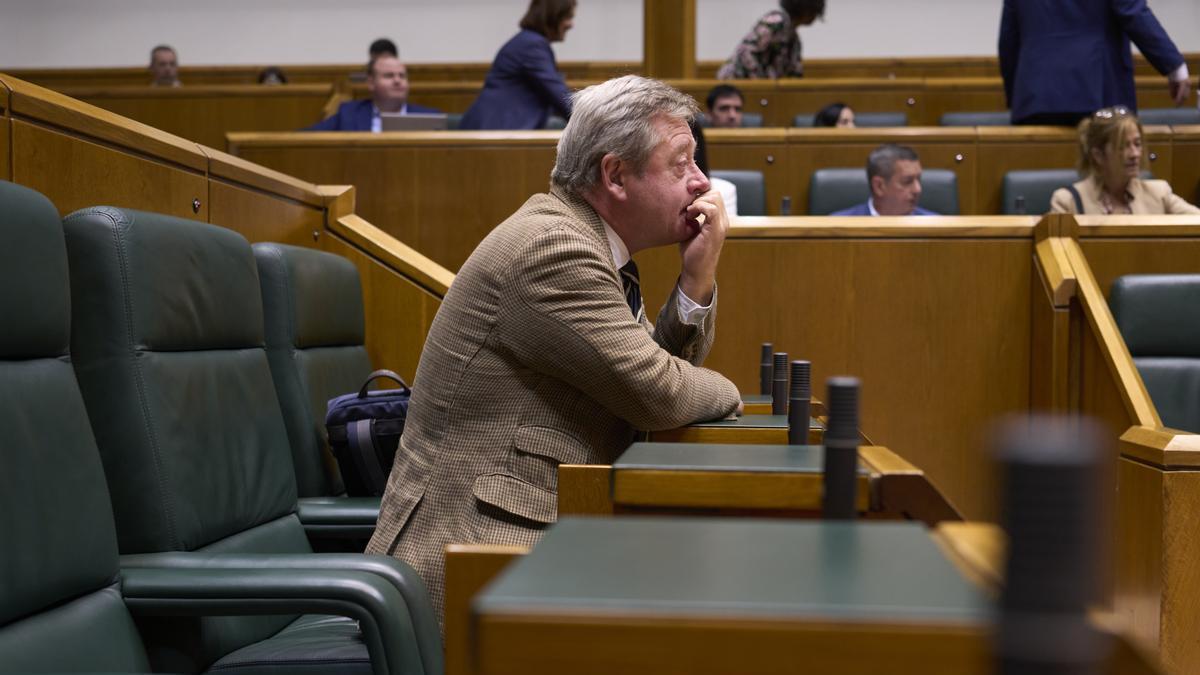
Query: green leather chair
831, 190
315, 333
998, 118
1029, 192
170, 356
751, 191
1170, 116
1159, 317
60, 593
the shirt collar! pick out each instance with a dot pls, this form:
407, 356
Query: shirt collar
620, 252
871, 206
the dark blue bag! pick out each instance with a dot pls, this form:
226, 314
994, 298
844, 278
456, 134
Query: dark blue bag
364, 432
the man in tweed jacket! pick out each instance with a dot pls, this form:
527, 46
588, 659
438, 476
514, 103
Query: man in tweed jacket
536, 357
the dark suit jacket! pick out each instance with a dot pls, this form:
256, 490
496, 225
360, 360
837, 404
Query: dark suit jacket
864, 210
533, 360
356, 116
522, 88
1073, 57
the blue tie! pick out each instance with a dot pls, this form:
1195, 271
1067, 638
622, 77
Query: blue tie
632, 286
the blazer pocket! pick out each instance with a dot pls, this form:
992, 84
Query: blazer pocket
515, 496
537, 452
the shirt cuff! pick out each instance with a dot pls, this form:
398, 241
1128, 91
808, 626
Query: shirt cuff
1179, 74
690, 312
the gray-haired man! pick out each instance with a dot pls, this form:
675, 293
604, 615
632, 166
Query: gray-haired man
541, 352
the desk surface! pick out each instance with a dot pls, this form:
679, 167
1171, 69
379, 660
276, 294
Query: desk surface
754, 422
723, 457
702, 567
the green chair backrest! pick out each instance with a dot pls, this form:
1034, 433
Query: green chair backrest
751, 191
60, 600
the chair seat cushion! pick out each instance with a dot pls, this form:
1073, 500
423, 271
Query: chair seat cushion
310, 644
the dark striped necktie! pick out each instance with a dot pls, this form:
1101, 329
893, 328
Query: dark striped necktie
632, 286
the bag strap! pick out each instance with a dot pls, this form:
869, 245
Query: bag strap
1078, 199
362, 449
362, 393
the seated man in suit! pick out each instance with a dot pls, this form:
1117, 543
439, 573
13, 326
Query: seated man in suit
894, 176
542, 354
725, 103
387, 80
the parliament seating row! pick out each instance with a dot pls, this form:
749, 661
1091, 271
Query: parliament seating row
205, 113
878, 68
160, 322
454, 194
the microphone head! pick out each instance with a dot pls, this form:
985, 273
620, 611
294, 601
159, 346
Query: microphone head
801, 380
768, 350
842, 403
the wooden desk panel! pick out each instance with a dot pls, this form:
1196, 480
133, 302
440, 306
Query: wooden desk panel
5, 135
938, 329
262, 217
1185, 169
204, 114
75, 173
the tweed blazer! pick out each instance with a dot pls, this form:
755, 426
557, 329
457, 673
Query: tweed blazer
533, 360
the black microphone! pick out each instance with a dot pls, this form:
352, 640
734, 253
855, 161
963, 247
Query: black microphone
1051, 501
799, 403
779, 384
765, 368
841, 449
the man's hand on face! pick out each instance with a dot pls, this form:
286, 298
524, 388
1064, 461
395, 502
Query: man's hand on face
702, 251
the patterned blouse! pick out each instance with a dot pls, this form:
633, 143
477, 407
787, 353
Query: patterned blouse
771, 49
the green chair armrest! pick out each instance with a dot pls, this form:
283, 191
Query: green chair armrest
399, 574
374, 602
342, 517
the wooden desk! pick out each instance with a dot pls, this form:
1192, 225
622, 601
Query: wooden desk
725, 479
699, 596
204, 114
755, 429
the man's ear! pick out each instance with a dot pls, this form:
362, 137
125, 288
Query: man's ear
612, 175
877, 185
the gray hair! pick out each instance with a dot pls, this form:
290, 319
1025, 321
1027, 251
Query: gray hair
882, 161
615, 117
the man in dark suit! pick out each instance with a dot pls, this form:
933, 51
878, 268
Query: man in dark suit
1064, 60
387, 80
894, 177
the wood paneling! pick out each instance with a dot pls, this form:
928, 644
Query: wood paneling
938, 328
75, 173
874, 68
439, 193
5, 135
1181, 576
398, 312
1138, 567
1185, 169
762, 150
204, 114
669, 38
260, 216
1111, 257
468, 569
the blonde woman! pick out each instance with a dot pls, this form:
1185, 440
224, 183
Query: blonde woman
1111, 159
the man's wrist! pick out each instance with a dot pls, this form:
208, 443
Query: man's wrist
698, 291
1180, 74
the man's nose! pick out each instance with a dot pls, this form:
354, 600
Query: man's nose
699, 183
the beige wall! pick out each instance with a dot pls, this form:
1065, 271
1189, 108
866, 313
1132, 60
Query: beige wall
78, 33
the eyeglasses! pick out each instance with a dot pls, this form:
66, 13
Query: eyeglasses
1109, 113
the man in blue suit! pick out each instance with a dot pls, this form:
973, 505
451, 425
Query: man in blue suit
894, 176
1062, 60
387, 80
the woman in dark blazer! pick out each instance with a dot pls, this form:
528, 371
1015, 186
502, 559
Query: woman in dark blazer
523, 87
